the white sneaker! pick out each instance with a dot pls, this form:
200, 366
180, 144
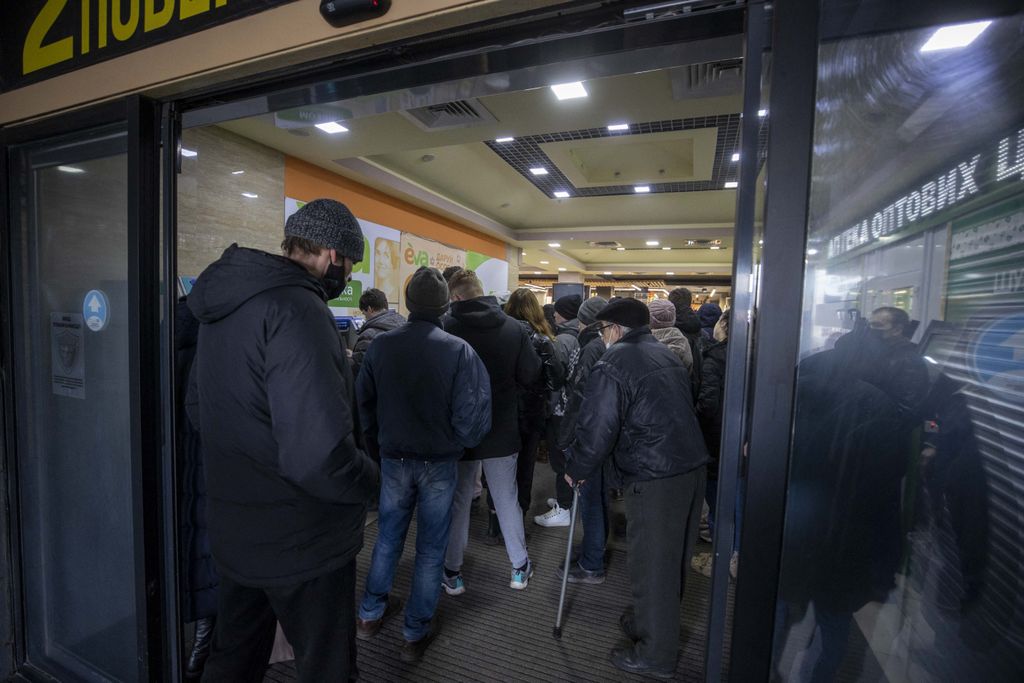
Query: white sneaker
556, 516
734, 565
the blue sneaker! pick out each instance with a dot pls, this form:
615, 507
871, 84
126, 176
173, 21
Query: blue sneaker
453, 585
521, 577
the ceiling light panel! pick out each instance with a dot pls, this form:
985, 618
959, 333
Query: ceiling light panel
954, 37
332, 127
539, 170
561, 194
642, 189
618, 127
569, 91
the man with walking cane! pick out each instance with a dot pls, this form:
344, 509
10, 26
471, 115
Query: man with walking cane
638, 409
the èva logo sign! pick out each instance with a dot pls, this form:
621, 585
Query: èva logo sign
47, 43
416, 258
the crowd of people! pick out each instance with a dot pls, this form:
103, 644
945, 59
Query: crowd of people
299, 436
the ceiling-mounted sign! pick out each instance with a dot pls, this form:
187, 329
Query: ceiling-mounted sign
42, 38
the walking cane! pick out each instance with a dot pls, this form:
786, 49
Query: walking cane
568, 559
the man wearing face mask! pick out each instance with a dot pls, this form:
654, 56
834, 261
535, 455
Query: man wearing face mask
638, 410
287, 484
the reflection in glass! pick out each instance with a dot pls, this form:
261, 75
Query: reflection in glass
902, 546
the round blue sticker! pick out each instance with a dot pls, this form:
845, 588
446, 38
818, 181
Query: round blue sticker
96, 310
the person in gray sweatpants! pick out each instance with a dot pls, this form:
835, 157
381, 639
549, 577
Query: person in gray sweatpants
511, 361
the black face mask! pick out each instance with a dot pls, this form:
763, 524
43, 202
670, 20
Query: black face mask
334, 281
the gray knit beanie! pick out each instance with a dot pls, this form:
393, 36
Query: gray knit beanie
427, 292
328, 223
590, 308
663, 313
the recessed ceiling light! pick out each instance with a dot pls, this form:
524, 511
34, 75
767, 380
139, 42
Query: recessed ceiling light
504, 139
618, 126
189, 152
640, 189
536, 272
544, 263
540, 170
670, 273
762, 113
568, 91
714, 247
620, 249
332, 127
812, 252
237, 172
561, 194
562, 269
666, 248
554, 244
651, 243
250, 195
951, 37
607, 272
731, 185
736, 156
70, 169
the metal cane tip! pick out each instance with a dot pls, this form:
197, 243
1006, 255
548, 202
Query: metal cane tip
558, 633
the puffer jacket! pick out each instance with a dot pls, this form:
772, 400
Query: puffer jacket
688, 323
680, 345
708, 313
592, 348
534, 400
637, 408
511, 362
385, 321
423, 394
287, 484
709, 403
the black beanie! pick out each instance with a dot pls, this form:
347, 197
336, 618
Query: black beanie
427, 293
328, 223
569, 306
626, 312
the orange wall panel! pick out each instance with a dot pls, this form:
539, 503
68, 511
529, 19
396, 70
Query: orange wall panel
306, 182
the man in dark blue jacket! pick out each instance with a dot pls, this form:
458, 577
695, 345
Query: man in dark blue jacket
287, 484
638, 409
424, 397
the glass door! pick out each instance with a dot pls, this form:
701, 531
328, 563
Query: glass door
80, 344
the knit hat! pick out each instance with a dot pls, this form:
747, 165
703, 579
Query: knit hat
626, 312
427, 292
569, 306
663, 313
328, 223
590, 308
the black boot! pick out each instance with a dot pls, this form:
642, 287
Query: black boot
200, 648
493, 536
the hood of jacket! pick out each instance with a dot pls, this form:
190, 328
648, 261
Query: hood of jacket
669, 335
590, 333
385, 321
709, 314
239, 275
481, 312
686, 320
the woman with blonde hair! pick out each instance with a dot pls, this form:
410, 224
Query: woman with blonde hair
523, 305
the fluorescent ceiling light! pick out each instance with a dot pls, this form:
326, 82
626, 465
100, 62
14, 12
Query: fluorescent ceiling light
812, 252
714, 247
189, 152
70, 169
618, 126
731, 184
237, 172
620, 249
640, 189
544, 263
670, 273
562, 269
536, 272
554, 244
540, 170
250, 195
561, 194
332, 127
504, 139
652, 243
762, 113
736, 156
952, 37
569, 91
607, 272
666, 248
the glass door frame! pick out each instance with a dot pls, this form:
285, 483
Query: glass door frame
798, 30
140, 118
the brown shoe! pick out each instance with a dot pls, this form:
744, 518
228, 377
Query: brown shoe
412, 651
368, 628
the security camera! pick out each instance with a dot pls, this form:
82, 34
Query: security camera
344, 12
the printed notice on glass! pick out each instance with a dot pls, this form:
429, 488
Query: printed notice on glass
67, 343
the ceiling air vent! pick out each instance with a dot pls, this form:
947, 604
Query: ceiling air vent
604, 245
458, 114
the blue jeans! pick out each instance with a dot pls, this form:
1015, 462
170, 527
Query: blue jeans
405, 485
594, 516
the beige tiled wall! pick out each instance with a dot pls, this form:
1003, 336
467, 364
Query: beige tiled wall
212, 212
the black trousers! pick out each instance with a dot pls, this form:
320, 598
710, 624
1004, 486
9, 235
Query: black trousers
317, 616
662, 517
556, 458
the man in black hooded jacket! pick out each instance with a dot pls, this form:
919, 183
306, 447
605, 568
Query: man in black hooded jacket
688, 323
287, 483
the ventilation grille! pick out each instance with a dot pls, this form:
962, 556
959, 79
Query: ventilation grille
608, 245
708, 79
458, 114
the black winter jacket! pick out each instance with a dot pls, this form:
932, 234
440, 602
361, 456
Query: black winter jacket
384, 321
534, 400
709, 403
287, 484
637, 407
423, 394
592, 348
504, 347
688, 323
